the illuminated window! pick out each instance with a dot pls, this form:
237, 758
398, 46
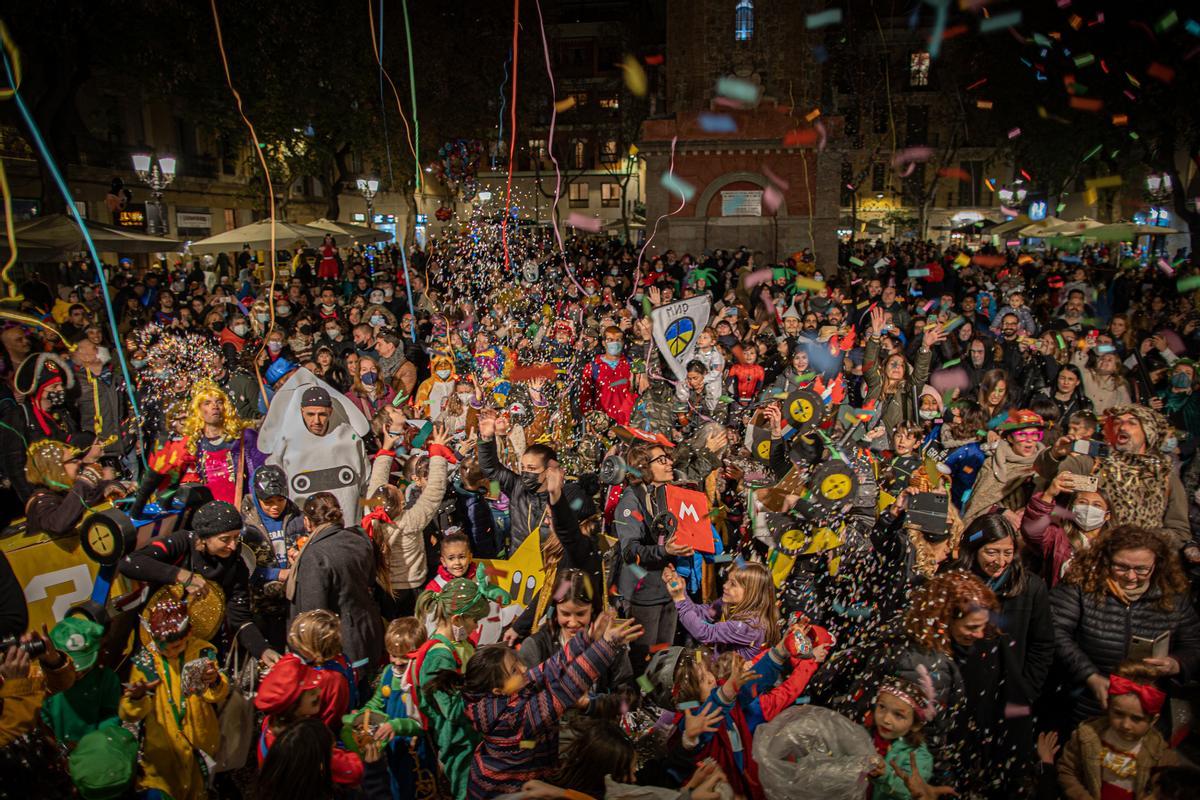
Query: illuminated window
579, 154
581, 99
918, 68
608, 152
743, 21
577, 195
610, 103
610, 195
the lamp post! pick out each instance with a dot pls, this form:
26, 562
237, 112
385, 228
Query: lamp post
157, 174
368, 188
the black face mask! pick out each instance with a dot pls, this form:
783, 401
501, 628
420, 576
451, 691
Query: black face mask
531, 481
305, 328
218, 326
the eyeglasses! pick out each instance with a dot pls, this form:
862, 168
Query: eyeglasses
1028, 435
1129, 569
663, 459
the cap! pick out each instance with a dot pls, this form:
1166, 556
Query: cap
270, 481
316, 396
278, 368
216, 517
104, 762
79, 638
283, 685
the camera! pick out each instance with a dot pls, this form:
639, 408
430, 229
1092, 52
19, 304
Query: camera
34, 647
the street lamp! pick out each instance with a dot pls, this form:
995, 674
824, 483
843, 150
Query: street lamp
1007, 196
1159, 186
157, 174
368, 188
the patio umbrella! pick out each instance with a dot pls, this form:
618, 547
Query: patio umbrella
1012, 226
258, 236
1124, 232
52, 237
1042, 228
344, 231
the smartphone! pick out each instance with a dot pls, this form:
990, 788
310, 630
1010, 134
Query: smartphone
1088, 447
1085, 483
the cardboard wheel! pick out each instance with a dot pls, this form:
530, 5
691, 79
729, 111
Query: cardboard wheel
832, 483
803, 409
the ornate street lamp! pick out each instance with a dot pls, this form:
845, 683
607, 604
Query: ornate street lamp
157, 174
368, 188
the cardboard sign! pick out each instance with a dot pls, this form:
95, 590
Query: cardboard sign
690, 508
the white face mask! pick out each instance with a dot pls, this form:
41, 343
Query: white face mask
928, 413
377, 320
1088, 517
238, 330
466, 397
443, 373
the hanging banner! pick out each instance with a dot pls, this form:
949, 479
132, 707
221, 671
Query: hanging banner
677, 329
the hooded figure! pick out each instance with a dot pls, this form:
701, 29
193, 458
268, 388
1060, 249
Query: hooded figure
432, 393
334, 462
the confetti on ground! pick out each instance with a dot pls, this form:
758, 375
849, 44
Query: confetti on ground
739, 90
823, 19
635, 76
1000, 21
717, 123
678, 187
584, 223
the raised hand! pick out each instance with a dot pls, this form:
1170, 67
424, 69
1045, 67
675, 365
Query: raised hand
487, 423
439, 435
674, 583
876, 320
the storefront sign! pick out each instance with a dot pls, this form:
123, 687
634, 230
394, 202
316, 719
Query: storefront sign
187, 219
742, 203
132, 216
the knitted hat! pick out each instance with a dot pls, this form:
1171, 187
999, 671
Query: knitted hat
283, 685
216, 517
79, 638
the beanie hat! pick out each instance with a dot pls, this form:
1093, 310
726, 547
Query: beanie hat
214, 517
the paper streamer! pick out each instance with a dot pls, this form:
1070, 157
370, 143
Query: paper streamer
584, 223
635, 76
999, 22
717, 123
738, 90
909, 158
678, 186
823, 19
771, 198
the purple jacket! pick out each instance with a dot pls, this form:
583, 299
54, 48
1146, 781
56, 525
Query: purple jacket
744, 636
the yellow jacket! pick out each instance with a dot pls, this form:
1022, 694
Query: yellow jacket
175, 726
21, 698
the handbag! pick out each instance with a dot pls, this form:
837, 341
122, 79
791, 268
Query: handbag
236, 713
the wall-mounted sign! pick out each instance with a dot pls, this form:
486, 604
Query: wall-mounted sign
132, 216
358, 216
188, 219
384, 219
742, 203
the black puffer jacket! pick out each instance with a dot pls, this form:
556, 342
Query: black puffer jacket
1092, 634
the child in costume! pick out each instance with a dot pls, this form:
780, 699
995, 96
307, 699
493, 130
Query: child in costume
174, 688
516, 710
93, 701
456, 562
456, 610
895, 722
315, 639
1111, 757
289, 693
431, 396
405, 765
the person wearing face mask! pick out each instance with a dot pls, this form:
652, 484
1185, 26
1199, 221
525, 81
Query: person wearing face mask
233, 336
41, 384
433, 392
607, 384
1118, 596
1055, 538
1181, 403
378, 317
101, 400
369, 392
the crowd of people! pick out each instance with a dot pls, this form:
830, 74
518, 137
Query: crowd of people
945, 540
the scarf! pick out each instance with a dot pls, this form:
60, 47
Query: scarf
1002, 473
1136, 487
1126, 596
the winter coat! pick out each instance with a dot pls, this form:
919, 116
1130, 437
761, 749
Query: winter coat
544, 644
102, 401
1079, 765
964, 463
1046, 538
335, 571
889, 786
901, 405
1093, 634
526, 508
1105, 391
744, 636
408, 566
1029, 629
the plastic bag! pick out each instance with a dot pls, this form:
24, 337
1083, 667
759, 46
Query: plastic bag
812, 752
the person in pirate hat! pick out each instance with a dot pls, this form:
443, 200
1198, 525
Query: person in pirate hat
41, 412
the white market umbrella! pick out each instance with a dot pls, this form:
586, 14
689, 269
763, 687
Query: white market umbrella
1050, 226
1012, 226
258, 236
51, 237
1124, 232
345, 232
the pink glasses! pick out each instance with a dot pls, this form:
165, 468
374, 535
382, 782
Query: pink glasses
1028, 435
